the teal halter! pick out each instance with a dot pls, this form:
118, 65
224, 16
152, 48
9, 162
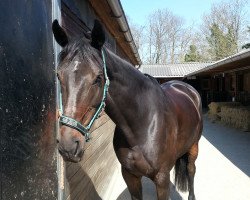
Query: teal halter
72, 123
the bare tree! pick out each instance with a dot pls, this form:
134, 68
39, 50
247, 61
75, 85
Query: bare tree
158, 35
139, 38
223, 27
187, 38
247, 46
167, 38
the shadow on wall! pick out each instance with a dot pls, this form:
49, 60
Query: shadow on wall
149, 191
80, 186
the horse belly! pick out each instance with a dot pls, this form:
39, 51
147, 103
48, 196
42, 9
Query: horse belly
189, 132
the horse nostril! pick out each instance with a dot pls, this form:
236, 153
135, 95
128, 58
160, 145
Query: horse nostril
77, 146
57, 141
60, 151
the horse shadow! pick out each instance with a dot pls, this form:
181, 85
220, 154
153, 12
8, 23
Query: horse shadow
84, 188
149, 191
80, 185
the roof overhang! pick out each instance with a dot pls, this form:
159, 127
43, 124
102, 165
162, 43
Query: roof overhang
174, 70
168, 76
236, 62
113, 17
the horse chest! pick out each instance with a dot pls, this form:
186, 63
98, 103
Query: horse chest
134, 161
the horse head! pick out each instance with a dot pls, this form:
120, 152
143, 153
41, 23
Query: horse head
82, 79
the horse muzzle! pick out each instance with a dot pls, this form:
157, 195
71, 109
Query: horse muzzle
70, 147
71, 156
67, 157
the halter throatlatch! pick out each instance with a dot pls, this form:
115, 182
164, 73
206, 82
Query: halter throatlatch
72, 123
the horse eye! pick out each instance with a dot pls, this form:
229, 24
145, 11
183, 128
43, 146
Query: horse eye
98, 80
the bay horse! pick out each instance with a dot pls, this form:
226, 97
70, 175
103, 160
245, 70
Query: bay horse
157, 126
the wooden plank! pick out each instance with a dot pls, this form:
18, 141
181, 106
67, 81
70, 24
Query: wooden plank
94, 133
71, 23
95, 184
103, 168
109, 190
78, 182
89, 165
74, 18
99, 122
75, 167
103, 178
82, 181
102, 133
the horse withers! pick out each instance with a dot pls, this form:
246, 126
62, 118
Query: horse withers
157, 126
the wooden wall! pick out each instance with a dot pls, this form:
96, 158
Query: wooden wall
247, 81
94, 177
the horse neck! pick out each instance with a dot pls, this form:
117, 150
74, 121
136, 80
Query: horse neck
131, 103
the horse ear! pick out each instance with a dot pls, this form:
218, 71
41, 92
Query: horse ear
59, 34
97, 35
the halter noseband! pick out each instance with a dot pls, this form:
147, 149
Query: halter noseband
72, 123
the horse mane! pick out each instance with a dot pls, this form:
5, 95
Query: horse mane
152, 79
135, 77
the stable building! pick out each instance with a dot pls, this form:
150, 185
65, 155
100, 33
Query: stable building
225, 89
225, 80
175, 71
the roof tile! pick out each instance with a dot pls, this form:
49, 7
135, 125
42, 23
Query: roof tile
172, 70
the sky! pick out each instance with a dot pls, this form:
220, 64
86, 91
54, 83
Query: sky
190, 10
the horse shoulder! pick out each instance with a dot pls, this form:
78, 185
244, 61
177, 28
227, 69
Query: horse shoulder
131, 158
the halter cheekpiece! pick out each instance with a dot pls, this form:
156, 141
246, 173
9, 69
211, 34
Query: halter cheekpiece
72, 123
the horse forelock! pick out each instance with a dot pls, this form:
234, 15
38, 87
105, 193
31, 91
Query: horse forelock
81, 48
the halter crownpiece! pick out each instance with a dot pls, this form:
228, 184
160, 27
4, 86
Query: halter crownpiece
72, 123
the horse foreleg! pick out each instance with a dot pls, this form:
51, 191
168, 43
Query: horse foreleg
162, 181
134, 184
192, 156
